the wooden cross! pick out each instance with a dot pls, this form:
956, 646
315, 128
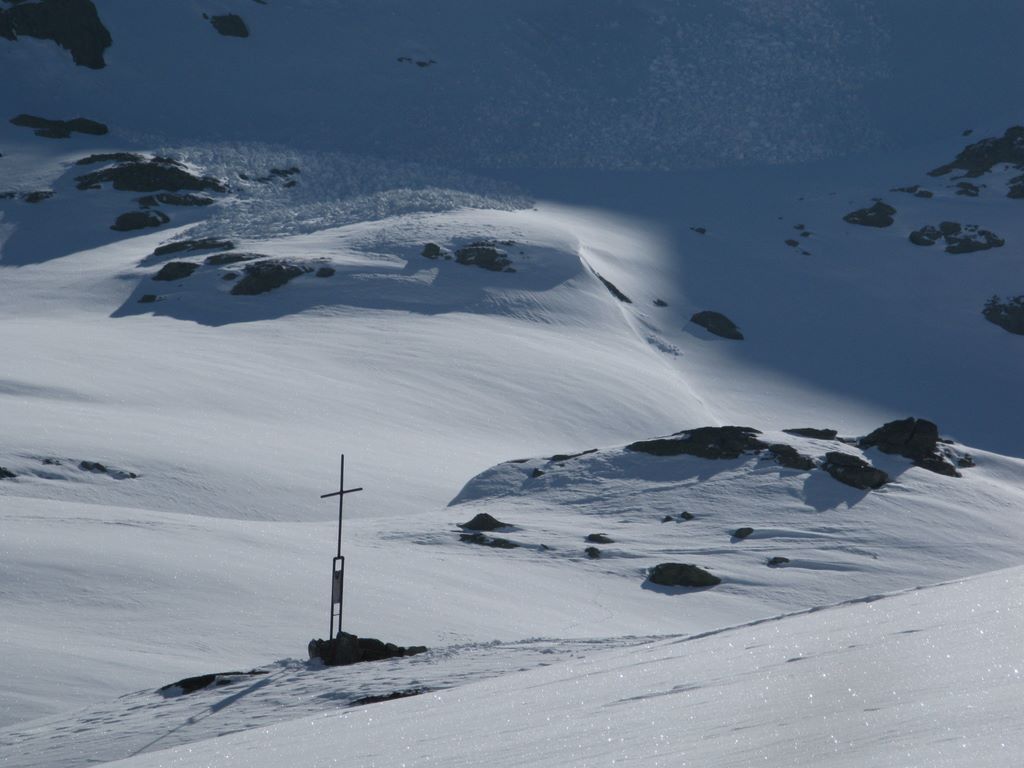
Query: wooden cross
338, 565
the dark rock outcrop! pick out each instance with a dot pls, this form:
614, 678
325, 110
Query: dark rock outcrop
599, 538
74, 25
202, 244
718, 324
264, 276
878, 215
199, 682
914, 439
788, 457
742, 533
230, 25
915, 190
6, 474
1015, 189
562, 457
153, 175
483, 522
377, 699
432, 251
38, 197
222, 259
966, 238
854, 471
487, 541
967, 189
59, 129
110, 157
325, 272
1008, 314
351, 649
705, 442
484, 256
128, 222
978, 158
819, 434
175, 270
681, 575
172, 198
592, 552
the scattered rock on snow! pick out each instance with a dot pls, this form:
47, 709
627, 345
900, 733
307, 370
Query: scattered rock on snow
593, 552
175, 270
777, 561
681, 575
173, 198
6, 474
854, 471
59, 129
1008, 314
74, 25
202, 244
264, 276
325, 272
223, 259
789, 457
718, 324
878, 215
915, 190
705, 442
599, 538
487, 541
978, 158
128, 222
38, 197
153, 175
742, 533
230, 25
915, 439
197, 683
483, 522
110, 157
485, 256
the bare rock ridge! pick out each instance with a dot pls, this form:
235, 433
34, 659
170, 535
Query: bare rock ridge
74, 25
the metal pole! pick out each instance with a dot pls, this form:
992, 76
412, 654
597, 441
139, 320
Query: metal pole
341, 500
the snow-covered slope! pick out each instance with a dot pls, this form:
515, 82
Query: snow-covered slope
929, 677
167, 430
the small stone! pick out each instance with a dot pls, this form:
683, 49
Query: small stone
148, 298
742, 533
681, 575
878, 215
599, 538
777, 561
128, 222
325, 272
6, 474
686, 516
593, 552
537, 473
718, 324
230, 25
175, 270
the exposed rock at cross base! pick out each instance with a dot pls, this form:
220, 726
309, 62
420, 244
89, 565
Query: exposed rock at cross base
681, 575
349, 649
915, 439
74, 25
718, 324
199, 682
854, 471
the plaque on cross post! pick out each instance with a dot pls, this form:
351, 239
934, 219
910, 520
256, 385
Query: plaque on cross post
338, 565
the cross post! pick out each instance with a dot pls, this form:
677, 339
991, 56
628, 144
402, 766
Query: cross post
338, 564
